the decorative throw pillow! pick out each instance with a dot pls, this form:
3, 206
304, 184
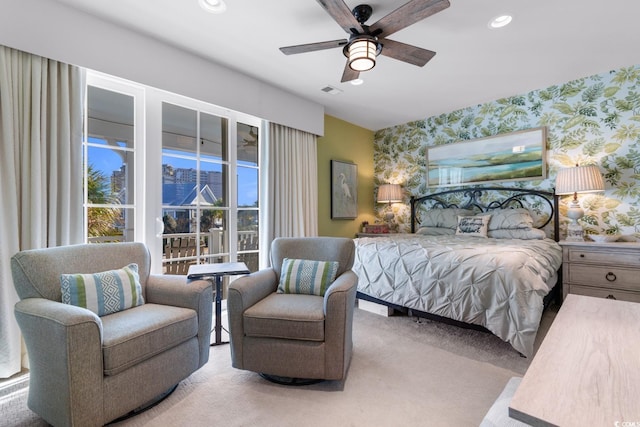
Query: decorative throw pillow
105, 292
301, 276
473, 225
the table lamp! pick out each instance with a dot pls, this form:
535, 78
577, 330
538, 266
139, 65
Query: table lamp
389, 193
579, 179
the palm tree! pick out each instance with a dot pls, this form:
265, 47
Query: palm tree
101, 221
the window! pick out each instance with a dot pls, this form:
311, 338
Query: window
110, 164
186, 183
248, 192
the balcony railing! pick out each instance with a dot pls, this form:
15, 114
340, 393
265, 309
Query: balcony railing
181, 250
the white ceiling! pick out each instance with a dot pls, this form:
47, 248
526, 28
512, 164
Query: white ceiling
548, 42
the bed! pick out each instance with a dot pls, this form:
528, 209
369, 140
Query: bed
483, 257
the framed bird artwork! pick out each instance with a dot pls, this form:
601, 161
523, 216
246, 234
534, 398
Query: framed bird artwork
344, 190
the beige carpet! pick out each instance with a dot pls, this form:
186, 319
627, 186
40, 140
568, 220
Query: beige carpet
403, 372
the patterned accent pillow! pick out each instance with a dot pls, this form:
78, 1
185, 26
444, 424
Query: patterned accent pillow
473, 225
301, 276
105, 292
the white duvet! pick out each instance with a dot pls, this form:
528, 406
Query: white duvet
497, 283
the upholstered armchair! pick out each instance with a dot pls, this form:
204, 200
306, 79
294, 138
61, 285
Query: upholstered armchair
86, 369
281, 331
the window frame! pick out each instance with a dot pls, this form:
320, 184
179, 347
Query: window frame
147, 149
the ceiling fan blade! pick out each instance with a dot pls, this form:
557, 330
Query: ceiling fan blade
341, 13
311, 47
349, 74
406, 52
407, 14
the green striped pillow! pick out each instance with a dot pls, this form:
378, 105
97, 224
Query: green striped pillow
301, 276
105, 292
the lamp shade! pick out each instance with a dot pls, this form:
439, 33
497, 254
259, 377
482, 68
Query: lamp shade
362, 54
389, 193
579, 179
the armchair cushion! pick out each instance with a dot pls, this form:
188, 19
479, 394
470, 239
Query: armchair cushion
288, 316
301, 276
132, 336
105, 292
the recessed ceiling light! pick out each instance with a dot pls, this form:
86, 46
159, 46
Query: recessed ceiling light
213, 6
357, 82
500, 21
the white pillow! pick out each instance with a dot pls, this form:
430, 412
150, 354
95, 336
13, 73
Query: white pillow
510, 219
518, 233
435, 231
444, 218
473, 225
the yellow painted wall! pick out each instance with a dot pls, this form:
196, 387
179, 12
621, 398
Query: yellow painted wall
349, 143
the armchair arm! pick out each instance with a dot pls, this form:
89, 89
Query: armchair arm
242, 294
250, 289
167, 289
339, 304
64, 344
344, 285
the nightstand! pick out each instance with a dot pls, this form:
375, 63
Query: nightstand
373, 234
605, 270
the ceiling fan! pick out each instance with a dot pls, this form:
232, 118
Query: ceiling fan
366, 42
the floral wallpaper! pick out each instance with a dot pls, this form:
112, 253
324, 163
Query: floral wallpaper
593, 120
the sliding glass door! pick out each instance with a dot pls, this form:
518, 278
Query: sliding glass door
185, 182
195, 183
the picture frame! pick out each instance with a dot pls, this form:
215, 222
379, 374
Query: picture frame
513, 156
344, 190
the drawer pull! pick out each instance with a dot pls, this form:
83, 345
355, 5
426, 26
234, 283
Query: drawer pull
581, 255
610, 277
610, 297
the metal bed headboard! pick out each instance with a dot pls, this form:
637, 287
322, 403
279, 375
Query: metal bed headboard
485, 199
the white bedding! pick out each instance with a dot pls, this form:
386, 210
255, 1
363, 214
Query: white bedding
497, 283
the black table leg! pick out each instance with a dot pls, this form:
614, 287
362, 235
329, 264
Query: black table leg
218, 311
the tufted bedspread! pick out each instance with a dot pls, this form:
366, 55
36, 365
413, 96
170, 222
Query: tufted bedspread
496, 283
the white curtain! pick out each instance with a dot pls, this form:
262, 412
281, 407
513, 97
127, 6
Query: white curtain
40, 171
290, 186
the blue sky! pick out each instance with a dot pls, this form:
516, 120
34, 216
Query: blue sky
108, 160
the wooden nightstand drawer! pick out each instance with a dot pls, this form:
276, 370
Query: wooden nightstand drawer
601, 269
605, 293
605, 276
600, 257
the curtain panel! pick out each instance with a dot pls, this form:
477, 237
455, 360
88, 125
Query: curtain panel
290, 186
41, 112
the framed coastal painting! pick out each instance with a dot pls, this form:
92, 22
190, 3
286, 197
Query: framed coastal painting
344, 190
506, 157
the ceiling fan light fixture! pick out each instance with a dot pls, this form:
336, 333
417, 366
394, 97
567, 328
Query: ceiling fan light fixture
213, 6
500, 21
362, 54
